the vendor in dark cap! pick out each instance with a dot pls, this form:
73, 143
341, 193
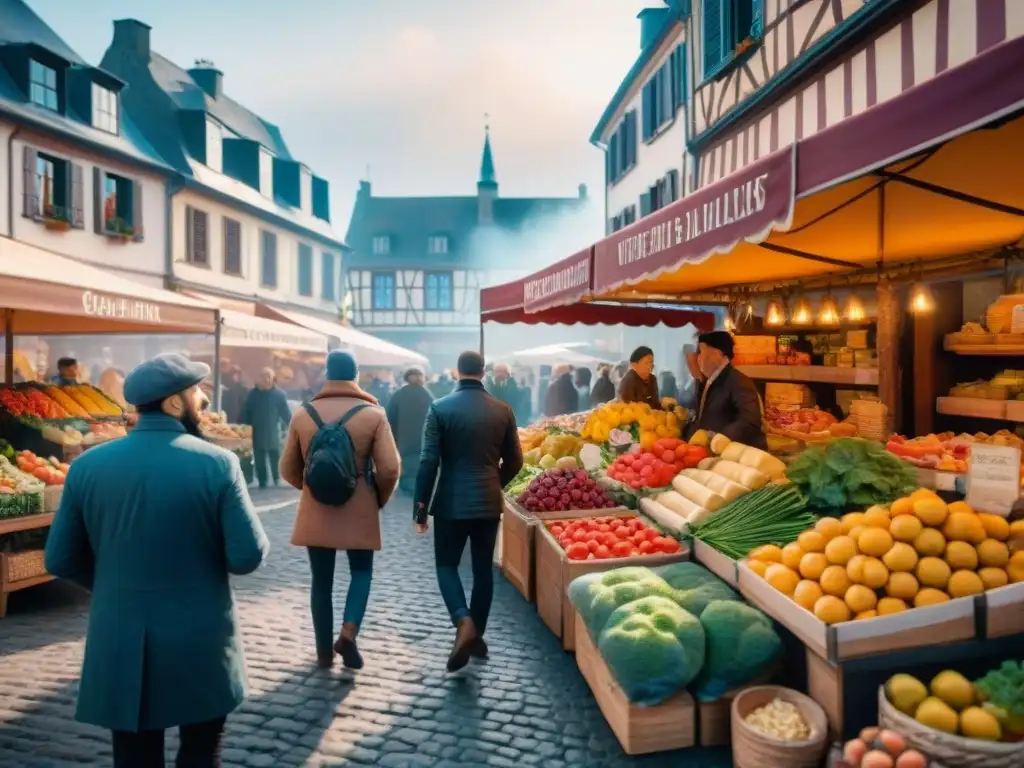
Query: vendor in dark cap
67, 372
729, 403
153, 524
639, 385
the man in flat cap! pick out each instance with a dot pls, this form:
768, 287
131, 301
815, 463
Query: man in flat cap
407, 412
729, 402
153, 524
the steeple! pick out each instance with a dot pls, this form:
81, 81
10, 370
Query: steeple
487, 176
487, 186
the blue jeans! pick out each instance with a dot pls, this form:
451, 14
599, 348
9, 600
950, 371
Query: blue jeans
321, 595
450, 537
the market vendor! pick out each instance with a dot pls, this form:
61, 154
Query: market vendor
67, 372
729, 403
639, 384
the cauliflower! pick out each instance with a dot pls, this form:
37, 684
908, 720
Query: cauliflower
695, 586
653, 649
741, 644
597, 595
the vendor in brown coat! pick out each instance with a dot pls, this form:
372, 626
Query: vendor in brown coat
354, 526
639, 384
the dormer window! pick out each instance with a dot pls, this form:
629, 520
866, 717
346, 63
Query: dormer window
437, 244
381, 245
104, 109
214, 146
42, 82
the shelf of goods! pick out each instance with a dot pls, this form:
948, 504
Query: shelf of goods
976, 408
20, 570
813, 374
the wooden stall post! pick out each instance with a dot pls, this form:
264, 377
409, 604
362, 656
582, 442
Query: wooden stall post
890, 315
929, 331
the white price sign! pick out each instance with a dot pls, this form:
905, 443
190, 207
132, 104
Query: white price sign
993, 478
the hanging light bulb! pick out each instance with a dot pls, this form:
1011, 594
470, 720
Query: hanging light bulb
854, 309
828, 313
802, 312
729, 325
921, 300
775, 314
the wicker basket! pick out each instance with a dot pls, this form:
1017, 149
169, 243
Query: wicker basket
25, 565
753, 749
951, 751
51, 497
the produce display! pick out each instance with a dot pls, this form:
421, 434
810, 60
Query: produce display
51, 471
645, 424
20, 492
214, 426
1006, 385
881, 748
553, 447
947, 452
656, 467
990, 709
601, 538
31, 402
774, 515
806, 424
916, 553
661, 630
563, 489
781, 720
849, 473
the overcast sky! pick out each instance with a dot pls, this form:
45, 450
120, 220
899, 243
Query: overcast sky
402, 86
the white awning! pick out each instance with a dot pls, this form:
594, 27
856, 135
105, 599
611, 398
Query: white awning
552, 354
241, 330
369, 350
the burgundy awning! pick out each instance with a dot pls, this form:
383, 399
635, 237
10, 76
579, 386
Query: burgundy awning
631, 315
745, 206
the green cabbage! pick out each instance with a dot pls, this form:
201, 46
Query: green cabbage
741, 644
695, 586
653, 649
596, 595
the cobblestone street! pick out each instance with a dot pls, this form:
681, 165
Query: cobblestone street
527, 706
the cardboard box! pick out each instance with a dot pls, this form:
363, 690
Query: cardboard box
640, 730
554, 572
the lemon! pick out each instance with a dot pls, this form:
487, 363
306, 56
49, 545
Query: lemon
993, 578
953, 688
964, 583
905, 528
834, 581
905, 692
874, 573
923, 493
758, 566
876, 517
811, 541
856, 531
875, 542
963, 526
901, 557
791, 554
933, 572
930, 543
992, 553
890, 605
961, 555
960, 507
851, 520
930, 510
855, 568
929, 596
995, 526
935, 713
865, 615
770, 553
812, 565
807, 593
860, 598
976, 723
840, 549
831, 610
1015, 568
782, 578
901, 585
1017, 529
829, 527
904, 506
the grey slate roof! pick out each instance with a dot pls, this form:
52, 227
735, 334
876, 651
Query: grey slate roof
20, 24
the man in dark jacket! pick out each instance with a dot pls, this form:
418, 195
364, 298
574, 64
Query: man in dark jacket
266, 410
639, 384
582, 382
407, 411
502, 386
233, 399
604, 389
561, 397
472, 439
729, 403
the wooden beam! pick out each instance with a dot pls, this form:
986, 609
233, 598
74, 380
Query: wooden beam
890, 317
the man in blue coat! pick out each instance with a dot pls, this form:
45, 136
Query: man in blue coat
153, 524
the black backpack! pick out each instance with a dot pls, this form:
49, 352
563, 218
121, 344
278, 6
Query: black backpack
331, 472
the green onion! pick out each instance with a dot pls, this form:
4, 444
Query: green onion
776, 514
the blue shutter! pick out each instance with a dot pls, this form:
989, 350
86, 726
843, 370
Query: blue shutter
647, 106
681, 94
673, 186
327, 268
632, 143
645, 204
757, 19
668, 104
713, 43
613, 157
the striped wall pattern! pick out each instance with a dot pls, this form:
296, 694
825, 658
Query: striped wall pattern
939, 36
410, 311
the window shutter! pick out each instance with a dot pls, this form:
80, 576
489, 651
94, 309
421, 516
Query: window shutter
757, 19
138, 227
30, 190
97, 200
190, 237
673, 186
645, 204
668, 104
713, 43
681, 69
77, 196
200, 235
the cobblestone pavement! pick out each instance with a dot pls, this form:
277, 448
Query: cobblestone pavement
527, 706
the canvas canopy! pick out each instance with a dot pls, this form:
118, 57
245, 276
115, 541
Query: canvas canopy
241, 330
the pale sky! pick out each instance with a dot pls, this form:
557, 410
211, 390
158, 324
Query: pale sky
402, 86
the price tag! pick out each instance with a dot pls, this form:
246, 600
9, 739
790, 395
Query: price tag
1017, 319
993, 478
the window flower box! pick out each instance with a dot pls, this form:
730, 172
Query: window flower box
55, 218
119, 230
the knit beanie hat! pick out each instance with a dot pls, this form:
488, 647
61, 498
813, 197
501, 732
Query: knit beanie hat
342, 366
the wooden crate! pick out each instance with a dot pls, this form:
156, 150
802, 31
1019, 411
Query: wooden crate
714, 718
554, 571
640, 730
1004, 611
723, 566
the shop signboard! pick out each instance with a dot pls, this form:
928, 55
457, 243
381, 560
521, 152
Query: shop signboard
111, 307
993, 478
564, 282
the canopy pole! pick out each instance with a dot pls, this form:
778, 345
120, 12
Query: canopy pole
887, 332
216, 362
481, 337
8, 346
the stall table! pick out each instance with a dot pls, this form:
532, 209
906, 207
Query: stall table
20, 570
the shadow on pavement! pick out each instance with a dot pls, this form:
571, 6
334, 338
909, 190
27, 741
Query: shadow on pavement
55, 612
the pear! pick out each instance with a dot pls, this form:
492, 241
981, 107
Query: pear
935, 713
906, 693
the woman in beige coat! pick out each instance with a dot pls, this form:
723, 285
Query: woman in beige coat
354, 526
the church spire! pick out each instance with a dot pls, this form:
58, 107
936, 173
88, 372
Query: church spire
487, 175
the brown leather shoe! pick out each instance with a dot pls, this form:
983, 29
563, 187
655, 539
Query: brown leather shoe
346, 646
479, 649
466, 639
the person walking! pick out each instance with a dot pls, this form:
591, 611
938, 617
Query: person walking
470, 452
266, 410
162, 648
407, 411
581, 380
561, 397
234, 397
355, 525
604, 389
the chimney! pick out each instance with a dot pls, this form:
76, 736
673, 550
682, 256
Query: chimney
208, 77
651, 21
365, 190
583, 191
133, 36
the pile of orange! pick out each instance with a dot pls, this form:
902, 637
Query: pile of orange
920, 551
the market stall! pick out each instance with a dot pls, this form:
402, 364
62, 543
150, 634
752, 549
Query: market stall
44, 425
